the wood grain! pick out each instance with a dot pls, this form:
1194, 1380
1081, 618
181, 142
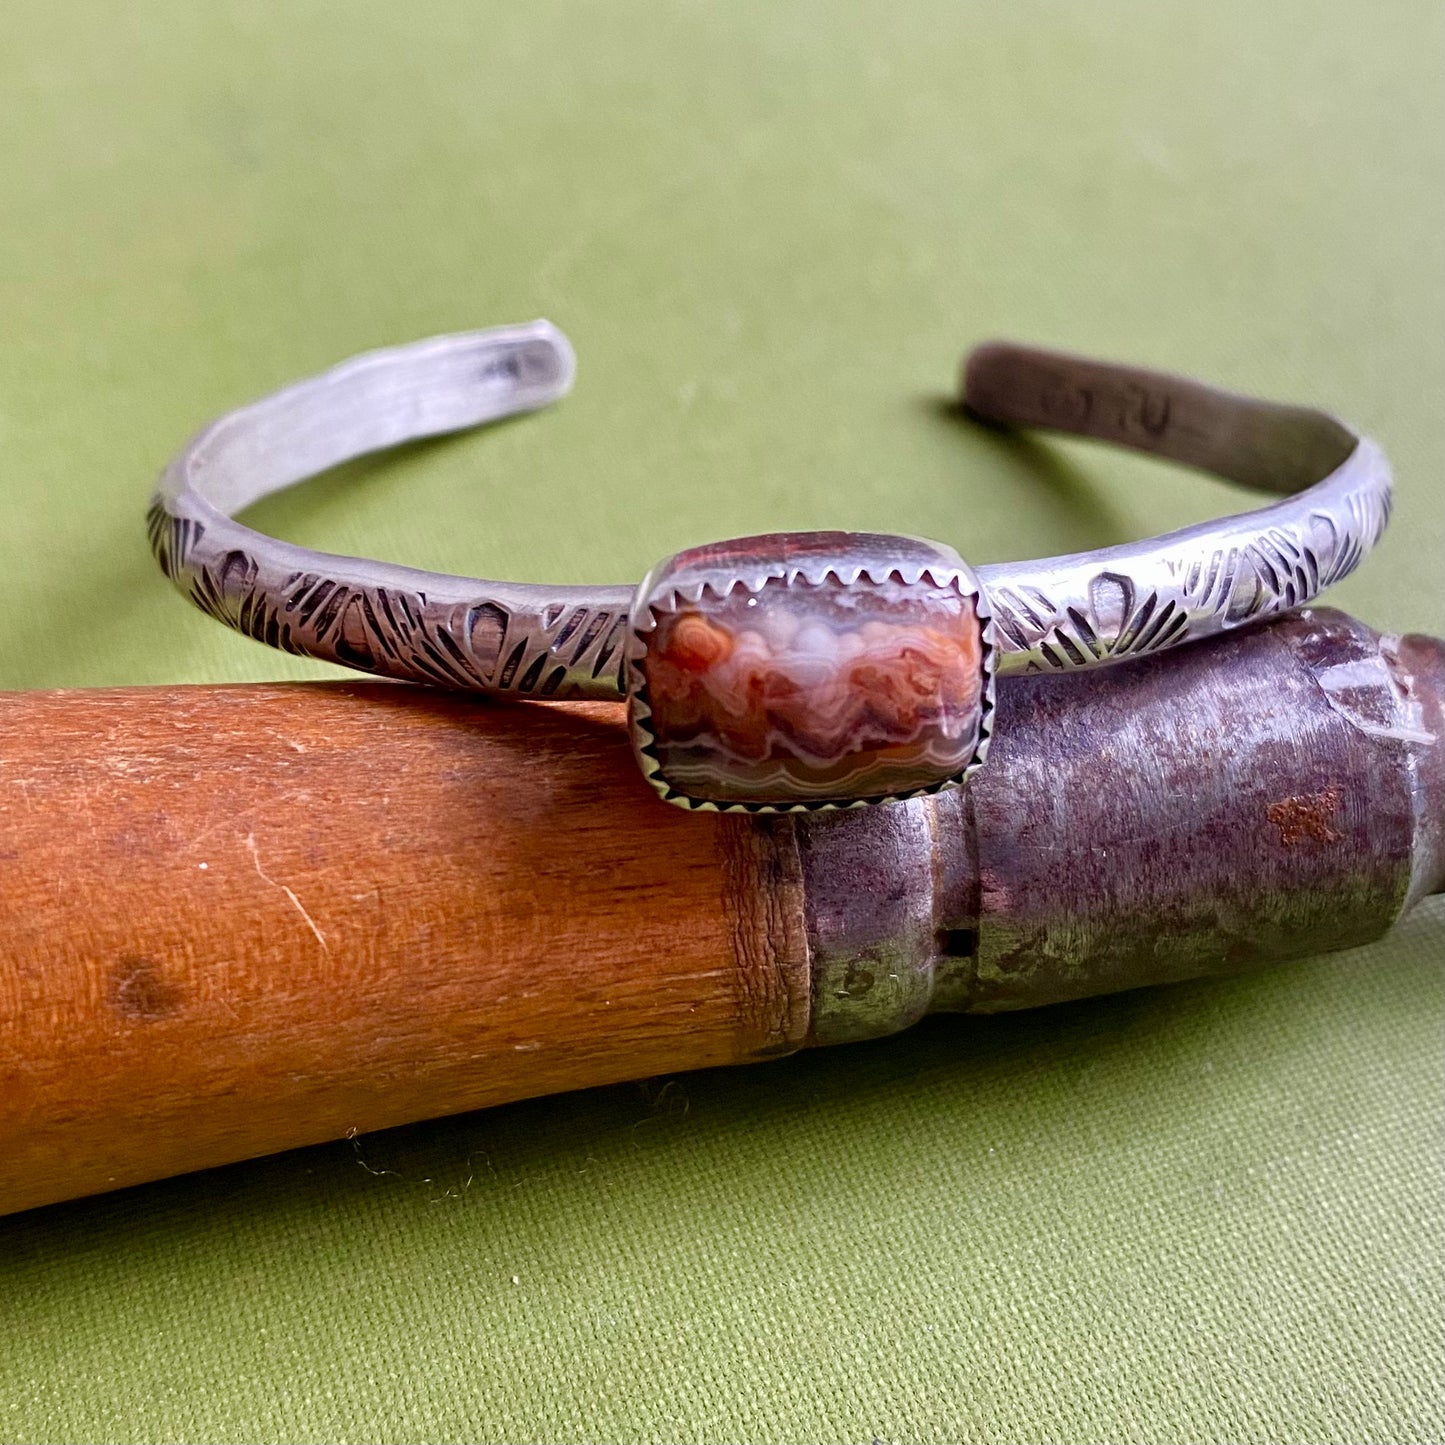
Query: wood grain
237, 920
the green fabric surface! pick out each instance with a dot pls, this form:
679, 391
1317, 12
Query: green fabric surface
1208, 1213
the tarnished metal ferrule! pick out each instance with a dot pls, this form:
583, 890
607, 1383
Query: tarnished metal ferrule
792, 672
1271, 795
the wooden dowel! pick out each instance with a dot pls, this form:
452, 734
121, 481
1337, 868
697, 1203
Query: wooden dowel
240, 919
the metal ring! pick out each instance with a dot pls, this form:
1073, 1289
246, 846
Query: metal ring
785, 672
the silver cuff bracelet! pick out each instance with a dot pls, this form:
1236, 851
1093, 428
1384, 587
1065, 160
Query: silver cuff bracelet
783, 672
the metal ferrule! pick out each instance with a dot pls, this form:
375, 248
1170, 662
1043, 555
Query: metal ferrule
1270, 795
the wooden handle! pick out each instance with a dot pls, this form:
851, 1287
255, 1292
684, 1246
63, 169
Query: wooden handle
243, 919
237, 920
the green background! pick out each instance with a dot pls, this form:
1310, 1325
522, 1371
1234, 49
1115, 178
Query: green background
1206, 1213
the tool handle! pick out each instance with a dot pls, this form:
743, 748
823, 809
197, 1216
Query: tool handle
240, 919
235, 920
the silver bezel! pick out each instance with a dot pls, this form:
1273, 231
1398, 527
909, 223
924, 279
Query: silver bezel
880, 559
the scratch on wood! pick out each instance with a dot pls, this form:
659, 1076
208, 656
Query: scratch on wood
290, 893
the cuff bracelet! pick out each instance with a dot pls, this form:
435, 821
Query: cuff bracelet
794, 671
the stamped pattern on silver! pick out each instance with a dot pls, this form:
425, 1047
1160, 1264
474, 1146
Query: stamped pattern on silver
1057, 614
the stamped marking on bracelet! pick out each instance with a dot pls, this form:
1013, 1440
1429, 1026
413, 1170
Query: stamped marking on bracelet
391, 631
1083, 618
1127, 409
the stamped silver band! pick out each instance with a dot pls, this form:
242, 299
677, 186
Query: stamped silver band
566, 641
529, 639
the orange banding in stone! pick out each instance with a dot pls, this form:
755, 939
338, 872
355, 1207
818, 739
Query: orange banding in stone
816, 690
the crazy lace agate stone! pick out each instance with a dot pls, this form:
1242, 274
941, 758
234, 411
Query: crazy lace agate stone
814, 690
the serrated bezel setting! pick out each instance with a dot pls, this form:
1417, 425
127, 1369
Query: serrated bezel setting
706, 576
